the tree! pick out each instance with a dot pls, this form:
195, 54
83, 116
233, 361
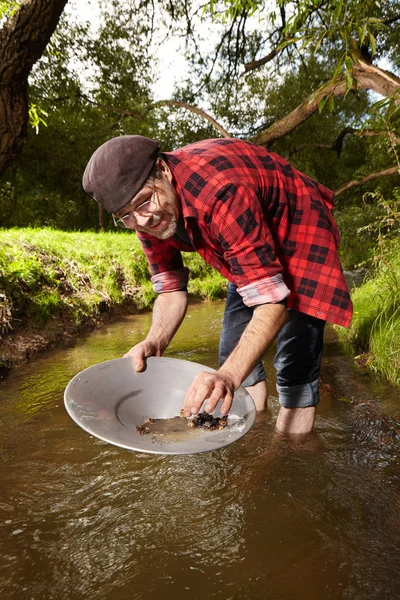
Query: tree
261, 44
294, 76
23, 38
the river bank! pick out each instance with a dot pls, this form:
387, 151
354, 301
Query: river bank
375, 329
56, 285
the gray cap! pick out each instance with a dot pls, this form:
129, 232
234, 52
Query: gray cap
118, 169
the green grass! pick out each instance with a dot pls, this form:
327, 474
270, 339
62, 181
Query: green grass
45, 273
375, 329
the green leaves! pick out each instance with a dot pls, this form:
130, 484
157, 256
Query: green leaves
8, 8
35, 118
348, 73
232, 8
327, 100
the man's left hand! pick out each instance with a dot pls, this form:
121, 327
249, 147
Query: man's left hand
212, 387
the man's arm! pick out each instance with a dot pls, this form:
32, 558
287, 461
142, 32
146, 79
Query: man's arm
168, 312
267, 321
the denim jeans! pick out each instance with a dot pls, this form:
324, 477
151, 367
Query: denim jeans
298, 351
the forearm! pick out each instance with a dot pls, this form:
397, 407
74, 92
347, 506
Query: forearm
267, 321
168, 313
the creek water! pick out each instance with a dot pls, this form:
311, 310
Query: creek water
264, 518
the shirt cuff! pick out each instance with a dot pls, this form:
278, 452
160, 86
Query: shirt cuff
264, 291
171, 281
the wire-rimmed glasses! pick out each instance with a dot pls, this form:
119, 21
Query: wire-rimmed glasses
144, 209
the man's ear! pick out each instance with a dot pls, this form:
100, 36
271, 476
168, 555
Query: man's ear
164, 169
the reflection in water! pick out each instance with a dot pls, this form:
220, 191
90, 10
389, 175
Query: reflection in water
264, 518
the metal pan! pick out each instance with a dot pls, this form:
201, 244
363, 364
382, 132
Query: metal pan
109, 400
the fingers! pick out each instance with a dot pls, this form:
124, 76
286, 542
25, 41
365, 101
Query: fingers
219, 393
195, 396
211, 387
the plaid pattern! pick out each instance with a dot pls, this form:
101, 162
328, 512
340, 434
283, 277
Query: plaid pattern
261, 223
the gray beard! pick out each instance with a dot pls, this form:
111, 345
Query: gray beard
170, 231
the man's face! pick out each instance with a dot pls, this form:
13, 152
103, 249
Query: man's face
155, 209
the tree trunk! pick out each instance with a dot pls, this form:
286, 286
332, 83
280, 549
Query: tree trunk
101, 218
23, 39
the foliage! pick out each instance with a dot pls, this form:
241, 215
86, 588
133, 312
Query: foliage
45, 273
310, 25
8, 8
386, 226
35, 118
96, 81
375, 329
368, 229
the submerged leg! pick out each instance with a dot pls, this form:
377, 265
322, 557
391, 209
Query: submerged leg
259, 393
298, 362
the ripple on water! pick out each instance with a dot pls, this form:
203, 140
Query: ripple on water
266, 517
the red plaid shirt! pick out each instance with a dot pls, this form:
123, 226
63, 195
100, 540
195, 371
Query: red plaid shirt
262, 224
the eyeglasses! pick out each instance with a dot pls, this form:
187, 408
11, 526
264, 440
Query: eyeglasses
128, 221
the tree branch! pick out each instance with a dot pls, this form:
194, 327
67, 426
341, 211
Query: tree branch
299, 114
337, 144
193, 109
256, 64
354, 182
116, 109
174, 103
390, 20
366, 76
370, 77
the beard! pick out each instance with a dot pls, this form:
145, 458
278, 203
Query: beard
170, 230
167, 231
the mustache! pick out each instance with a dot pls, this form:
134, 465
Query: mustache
154, 220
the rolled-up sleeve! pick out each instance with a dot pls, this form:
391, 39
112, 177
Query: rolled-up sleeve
166, 265
265, 291
171, 281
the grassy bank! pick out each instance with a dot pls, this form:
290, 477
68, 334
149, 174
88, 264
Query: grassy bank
375, 329
50, 277
47, 274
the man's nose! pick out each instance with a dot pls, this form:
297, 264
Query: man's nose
142, 221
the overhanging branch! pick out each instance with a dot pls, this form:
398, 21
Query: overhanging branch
299, 114
173, 103
369, 177
337, 144
193, 109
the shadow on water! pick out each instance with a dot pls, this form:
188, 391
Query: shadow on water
264, 518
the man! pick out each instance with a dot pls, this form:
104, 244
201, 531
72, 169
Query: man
263, 225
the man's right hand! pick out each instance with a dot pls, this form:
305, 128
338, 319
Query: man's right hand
140, 352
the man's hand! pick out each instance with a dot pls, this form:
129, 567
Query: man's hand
212, 387
259, 334
168, 312
140, 352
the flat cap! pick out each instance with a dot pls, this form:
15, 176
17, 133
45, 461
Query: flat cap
118, 169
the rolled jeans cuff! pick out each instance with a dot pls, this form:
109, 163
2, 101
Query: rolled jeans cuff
300, 395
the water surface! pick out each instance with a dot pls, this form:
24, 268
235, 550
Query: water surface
263, 518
